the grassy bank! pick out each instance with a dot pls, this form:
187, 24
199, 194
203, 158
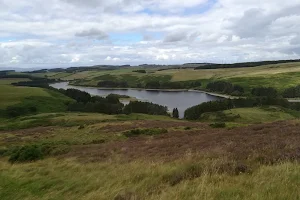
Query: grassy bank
43, 100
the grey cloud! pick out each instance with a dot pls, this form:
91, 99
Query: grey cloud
107, 5
255, 22
93, 33
295, 40
180, 36
175, 37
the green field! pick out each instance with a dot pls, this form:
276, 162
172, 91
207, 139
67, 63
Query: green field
11, 95
279, 76
55, 154
252, 115
45, 100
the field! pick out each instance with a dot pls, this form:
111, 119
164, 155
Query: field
11, 95
43, 99
137, 156
280, 76
252, 115
190, 161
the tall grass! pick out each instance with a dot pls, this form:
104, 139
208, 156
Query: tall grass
68, 179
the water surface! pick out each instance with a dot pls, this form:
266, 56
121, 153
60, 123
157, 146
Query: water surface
172, 99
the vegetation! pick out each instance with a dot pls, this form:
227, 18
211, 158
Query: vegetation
225, 87
265, 92
140, 71
148, 132
146, 108
292, 92
175, 113
247, 64
17, 101
244, 148
195, 112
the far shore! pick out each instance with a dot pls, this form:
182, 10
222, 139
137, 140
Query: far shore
165, 90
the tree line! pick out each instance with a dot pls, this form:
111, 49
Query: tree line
246, 64
195, 112
153, 84
109, 104
225, 87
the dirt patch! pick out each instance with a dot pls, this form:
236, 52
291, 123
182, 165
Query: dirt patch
269, 143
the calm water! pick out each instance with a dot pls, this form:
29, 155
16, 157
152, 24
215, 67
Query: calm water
172, 99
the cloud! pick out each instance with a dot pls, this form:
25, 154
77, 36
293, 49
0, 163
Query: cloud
76, 32
93, 33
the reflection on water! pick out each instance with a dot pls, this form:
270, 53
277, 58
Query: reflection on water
172, 99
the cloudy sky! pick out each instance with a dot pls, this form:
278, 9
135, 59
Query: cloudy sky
52, 33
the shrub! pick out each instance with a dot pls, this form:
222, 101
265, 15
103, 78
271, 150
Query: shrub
26, 154
149, 132
218, 125
35, 152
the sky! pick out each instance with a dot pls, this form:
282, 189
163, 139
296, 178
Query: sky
63, 33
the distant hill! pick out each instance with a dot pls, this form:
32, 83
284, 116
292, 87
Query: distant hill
245, 64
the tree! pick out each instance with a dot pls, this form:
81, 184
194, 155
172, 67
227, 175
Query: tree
175, 113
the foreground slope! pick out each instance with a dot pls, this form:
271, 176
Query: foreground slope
93, 157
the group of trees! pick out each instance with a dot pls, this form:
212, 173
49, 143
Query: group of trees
152, 84
175, 113
195, 112
292, 92
87, 103
264, 92
246, 64
225, 87
113, 84
172, 85
110, 104
146, 108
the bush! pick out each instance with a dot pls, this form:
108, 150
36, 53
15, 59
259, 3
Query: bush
36, 152
26, 154
149, 132
218, 125
18, 110
140, 71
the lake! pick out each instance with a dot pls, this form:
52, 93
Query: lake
172, 99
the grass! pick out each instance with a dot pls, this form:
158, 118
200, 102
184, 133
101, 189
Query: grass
252, 115
93, 159
190, 74
213, 174
279, 81
280, 76
68, 179
11, 95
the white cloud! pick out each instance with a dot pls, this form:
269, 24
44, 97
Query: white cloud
75, 32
